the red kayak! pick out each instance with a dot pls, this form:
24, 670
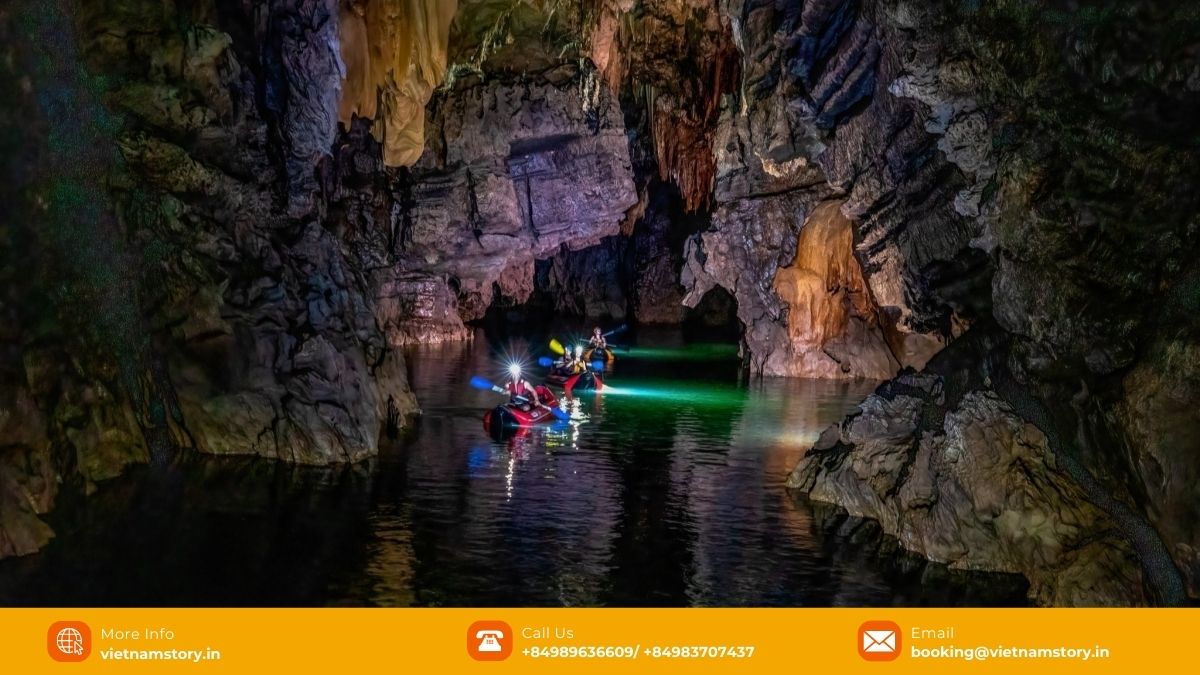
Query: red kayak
514, 416
585, 381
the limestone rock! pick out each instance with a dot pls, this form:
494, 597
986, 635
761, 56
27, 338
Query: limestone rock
531, 169
419, 309
586, 283
1162, 424
831, 109
981, 491
802, 296
395, 54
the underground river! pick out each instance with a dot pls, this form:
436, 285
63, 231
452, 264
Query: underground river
667, 489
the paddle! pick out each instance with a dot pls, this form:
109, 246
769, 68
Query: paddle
483, 384
616, 330
612, 347
598, 365
545, 362
557, 348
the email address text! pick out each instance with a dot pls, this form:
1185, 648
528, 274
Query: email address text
986, 652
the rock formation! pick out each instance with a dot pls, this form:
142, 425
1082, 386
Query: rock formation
514, 172
276, 262
816, 104
395, 53
972, 485
1040, 187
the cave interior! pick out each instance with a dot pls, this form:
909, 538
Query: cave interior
227, 220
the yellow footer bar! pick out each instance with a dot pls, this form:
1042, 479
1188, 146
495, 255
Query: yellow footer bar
597, 640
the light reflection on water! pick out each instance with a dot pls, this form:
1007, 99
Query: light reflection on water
669, 491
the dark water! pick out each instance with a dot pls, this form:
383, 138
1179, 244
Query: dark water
665, 490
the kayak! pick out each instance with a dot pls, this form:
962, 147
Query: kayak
599, 354
512, 416
585, 381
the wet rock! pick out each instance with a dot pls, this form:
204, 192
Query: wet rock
980, 490
419, 309
1162, 425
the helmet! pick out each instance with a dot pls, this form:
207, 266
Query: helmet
578, 351
514, 370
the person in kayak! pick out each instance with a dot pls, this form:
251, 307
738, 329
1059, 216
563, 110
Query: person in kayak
566, 363
520, 392
577, 363
571, 363
597, 340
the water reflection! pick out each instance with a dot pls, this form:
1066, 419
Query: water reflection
669, 491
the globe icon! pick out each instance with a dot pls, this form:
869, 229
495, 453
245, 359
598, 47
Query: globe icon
69, 641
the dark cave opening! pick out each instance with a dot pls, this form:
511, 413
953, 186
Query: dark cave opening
716, 315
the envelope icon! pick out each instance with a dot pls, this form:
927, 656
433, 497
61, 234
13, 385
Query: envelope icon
879, 641
875, 641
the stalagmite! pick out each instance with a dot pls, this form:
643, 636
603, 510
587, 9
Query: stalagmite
832, 322
824, 287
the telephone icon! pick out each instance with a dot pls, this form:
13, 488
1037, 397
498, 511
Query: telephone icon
489, 640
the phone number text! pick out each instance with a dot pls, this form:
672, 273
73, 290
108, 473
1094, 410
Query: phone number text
634, 651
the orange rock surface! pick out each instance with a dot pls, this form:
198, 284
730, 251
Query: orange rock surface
395, 52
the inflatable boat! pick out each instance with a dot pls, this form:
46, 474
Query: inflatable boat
585, 381
513, 416
599, 354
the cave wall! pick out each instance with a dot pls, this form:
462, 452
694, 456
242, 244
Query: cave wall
1070, 174
178, 287
818, 120
513, 172
258, 257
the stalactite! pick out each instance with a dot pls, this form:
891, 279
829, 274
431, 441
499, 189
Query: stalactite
395, 53
683, 152
658, 49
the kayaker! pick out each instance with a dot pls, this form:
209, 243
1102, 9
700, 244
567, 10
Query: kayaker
565, 362
520, 392
597, 340
577, 364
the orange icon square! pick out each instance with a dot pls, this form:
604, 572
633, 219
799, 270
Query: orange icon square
879, 641
69, 641
489, 640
